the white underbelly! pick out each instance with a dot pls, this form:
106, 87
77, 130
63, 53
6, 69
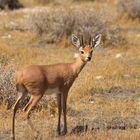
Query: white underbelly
52, 91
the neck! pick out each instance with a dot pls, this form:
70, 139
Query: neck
78, 65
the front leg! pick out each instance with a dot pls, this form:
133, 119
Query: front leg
59, 113
65, 112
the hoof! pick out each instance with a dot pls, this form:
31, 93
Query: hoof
58, 133
36, 135
12, 137
63, 133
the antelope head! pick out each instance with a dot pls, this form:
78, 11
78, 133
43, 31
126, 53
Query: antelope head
86, 49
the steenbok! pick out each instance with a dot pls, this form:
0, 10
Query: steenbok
36, 79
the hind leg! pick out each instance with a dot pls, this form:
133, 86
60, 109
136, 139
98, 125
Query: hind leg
28, 107
29, 102
15, 108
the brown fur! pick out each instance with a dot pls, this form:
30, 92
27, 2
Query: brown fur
36, 79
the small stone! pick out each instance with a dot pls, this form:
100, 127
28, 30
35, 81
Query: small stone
99, 77
118, 55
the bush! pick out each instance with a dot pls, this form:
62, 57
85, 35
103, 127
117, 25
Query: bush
57, 23
131, 7
7, 87
115, 38
11, 4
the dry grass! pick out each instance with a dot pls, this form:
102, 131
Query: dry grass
130, 7
105, 96
58, 23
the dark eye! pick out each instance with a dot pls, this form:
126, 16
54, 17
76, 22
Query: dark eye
82, 52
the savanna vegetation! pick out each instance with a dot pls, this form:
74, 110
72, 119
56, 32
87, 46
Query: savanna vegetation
104, 102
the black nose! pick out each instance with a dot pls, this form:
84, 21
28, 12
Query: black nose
89, 58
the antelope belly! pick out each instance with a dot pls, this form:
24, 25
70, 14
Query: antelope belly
52, 91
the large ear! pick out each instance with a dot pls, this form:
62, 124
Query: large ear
96, 41
75, 40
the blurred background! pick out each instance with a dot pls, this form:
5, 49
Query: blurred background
106, 95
